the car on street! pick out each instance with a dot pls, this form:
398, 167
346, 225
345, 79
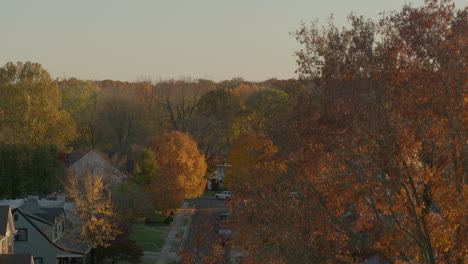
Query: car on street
224, 216
224, 237
224, 195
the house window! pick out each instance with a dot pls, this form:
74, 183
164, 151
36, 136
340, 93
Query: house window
59, 229
22, 234
16, 217
63, 261
38, 261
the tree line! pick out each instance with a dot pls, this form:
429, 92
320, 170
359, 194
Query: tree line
122, 118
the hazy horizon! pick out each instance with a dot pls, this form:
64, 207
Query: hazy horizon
136, 40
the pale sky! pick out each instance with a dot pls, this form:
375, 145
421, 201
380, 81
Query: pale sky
131, 40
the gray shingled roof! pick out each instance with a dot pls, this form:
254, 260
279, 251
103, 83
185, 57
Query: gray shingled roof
32, 208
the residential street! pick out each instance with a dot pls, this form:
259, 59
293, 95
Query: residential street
199, 231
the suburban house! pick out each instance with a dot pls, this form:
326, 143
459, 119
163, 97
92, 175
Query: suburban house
220, 172
42, 230
219, 175
96, 164
7, 232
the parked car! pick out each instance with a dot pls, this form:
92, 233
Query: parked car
224, 237
224, 216
224, 232
225, 195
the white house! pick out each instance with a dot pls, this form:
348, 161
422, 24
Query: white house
220, 172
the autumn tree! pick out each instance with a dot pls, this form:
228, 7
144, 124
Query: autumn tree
213, 123
379, 166
383, 120
181, 170
131, 198
81, 100
179, 99
250, 156
263, 108
93, 208
257, 179
123, 120
282, 129
244, 90
30, 107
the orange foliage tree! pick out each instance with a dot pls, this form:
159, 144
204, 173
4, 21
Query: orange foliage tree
386, 152
260, 190
380, 165
181, 170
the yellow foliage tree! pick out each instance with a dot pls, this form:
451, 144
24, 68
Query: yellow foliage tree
30, 107
181, 170
93, 208
251, 156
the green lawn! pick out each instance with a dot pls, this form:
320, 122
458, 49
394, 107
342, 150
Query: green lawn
210, 193
145, 235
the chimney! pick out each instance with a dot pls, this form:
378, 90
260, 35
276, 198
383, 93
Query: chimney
61, 197
33, 197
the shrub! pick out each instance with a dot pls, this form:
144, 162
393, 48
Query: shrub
155, 220
168, 220
214, 185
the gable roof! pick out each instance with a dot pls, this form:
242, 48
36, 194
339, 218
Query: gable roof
66, 243
33, 211
96, 164
16, 258
46, 215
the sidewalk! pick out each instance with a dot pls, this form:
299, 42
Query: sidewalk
173, 243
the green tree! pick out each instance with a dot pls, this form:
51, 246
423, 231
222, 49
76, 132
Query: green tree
80, 99
30, 107
145, 170
131, 201
263, 108
25, 169
213, 123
